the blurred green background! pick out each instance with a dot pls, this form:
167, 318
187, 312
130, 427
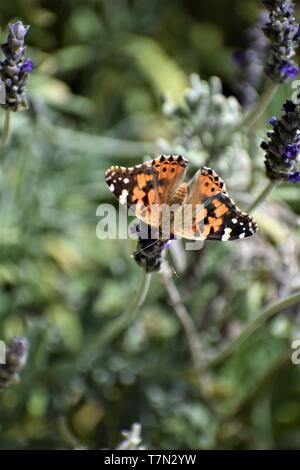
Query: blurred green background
101, 67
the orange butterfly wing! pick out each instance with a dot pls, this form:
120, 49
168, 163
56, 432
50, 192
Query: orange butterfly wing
143, 188
219, 219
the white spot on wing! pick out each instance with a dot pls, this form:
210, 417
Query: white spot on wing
226, 235
123, 197
112, 188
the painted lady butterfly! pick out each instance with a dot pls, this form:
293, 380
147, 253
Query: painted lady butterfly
147, 186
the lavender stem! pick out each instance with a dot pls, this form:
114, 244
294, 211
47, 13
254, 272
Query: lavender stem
6, 128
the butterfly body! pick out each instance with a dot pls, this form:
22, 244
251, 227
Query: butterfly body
156, 188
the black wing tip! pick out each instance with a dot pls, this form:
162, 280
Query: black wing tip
241, 226
173, 158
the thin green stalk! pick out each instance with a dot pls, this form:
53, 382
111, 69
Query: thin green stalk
121, 323
6, 127
189, 328
258, 321
253, 393
262, 196
260, 107
184, 318
69, 438
115, 327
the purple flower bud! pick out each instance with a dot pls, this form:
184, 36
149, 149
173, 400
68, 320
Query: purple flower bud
273, 121
289, 70
27, 66
18, 30
294, 177
291, 150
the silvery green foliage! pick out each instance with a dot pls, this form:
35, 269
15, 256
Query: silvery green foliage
208, 132
132, 439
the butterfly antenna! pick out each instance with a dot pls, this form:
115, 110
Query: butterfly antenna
143, 249
172, 265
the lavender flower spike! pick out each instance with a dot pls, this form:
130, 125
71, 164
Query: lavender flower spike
16, 357
283, 32
283, 147
251, 62
15, 69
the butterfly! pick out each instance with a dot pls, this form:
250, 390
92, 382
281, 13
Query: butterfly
148, 187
